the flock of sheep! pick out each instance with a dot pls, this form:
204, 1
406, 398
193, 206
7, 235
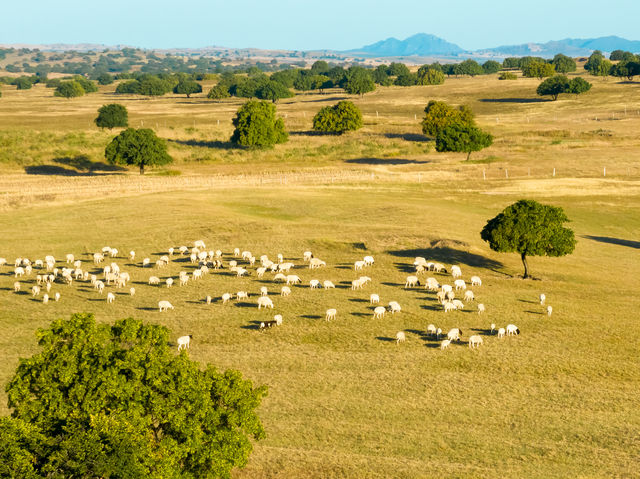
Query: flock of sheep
102, 274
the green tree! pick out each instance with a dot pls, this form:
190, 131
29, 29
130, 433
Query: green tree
187, 87
341, 117
531, 229
286, 77
153, 86
397, 69
578, 86
129, 86
53, 83
219, 92
625, 70
468, 67
430, 76
23, 83
87, 85
538, 69
410, 79
139, 147
564, 64
511, 62
439, 115
273, 91
320, 67
508, 76
257, 126
380, 75
462, 138
112, 116
491, 66
69, 89
553, 86
594, 61
358, 81
113, 401
105, 79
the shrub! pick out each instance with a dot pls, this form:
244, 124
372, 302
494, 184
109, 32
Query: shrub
439, 115
341, 117
257, 126
112, 116
508, 76
69, 89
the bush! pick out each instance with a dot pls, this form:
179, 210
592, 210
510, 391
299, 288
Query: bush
23, 83
491, 66
430, 76
257, 126
130, 86
53, 83
87, 85
112, 116
508, 76
341, 117
219, 92
105, 79
69, 89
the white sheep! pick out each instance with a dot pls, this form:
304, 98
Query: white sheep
3, 261
56, 297
356, 284
97, 258
132, 291
450, 295
368, 260
445, 344
70, 258
475, 341
432, 284
431, 330
307, 255
146, 262
77, 263
278, 319
242, 295
446, 288
331, 314
501, 333
493, 327
469, 296
481, 308
260, 272
226, 297
476, 281
164, 306
448, 306
45, 299
374, 298
199, 244
16, 287
411, 281
549, 310
170, 251
208, 299
293, 279
265, 302
285, 291
35, 291
441, 296
454, 334
264, 291
197, 274
326, 284
236, 252
359, 265
132, 255
512, 330
184, 342
455, 271
314, 284
48, 287
459, 284
316, 263
394, 307
246, 255
18, 271
241, 272
169, 282
400, 337
379, 312
154, 280
542, 299
111, 297
183, 250
160, 264
438, 333
457, 304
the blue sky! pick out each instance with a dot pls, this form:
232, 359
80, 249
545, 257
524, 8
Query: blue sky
305, 25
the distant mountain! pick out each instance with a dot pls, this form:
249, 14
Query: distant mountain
421, 44
575, 47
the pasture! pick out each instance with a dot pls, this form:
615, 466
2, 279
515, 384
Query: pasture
559, 400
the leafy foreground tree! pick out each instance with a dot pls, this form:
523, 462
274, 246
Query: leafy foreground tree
358, 81
558, 84
69, 89
113, 401
257, 126
341, 117
139, 147
439, 115
462, 138
531, 229
187, 87
112, 116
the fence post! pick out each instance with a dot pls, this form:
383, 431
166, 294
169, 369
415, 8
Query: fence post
529, 172
506, 173
554, 172
604, 171
484, 175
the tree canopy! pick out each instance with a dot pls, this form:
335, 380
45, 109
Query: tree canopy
341, 117
439, 115
531, 229
430, 75
257, 126
69, 89
463, 138
491, 66
187, 87
137, 147
112, 116
219, 92
538, 69
114, 401
358, 81
564, 64
558, 84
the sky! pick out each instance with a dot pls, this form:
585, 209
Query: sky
306, 25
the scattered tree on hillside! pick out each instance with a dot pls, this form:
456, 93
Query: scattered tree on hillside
531, 229
69, 89
105, 79
219, 92
462, 138
578, 85
625, 69
320, 67
104, 400
564, 64
257, 126
511, 62
397, 69
187, 87
87, 85
430, 76
112, 116
538, 69
139, 147
129, 86
23, 83
273, 91
491, 66
358, 81
507, 76
558, 84
439, 115
409, 79
468, 67
341, 117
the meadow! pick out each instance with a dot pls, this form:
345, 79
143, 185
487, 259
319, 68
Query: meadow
559, 400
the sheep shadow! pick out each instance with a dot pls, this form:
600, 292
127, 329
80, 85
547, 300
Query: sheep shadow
244, 304
313, 133
385, 161
361, 315
434, 345
386, 339
616, 241
447, 254
535, 312
405, 268
388, 283
407, 137
484, 332
358, 300
310, 316
528, 301
142, 308
253, 326
431, 307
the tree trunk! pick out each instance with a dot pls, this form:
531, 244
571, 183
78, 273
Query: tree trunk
142, 168
526, 266
468, 155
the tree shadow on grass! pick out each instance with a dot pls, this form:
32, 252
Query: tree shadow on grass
407, 136
216, 144
77, 166
386, 161
616, 241
319, 100
447, 254
514, 100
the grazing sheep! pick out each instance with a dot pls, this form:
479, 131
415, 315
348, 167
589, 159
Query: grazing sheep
45, 299
459, 284
374, 299
368, 260
169, 282
549, 310
316, 263
476, 281
97, 258
193, 257
314, 284
493, 327
154, 280
184, 342
184, 279
171, 251
457, 304
400, 337
246, 255
331, 314
512, 330
111, 297
264, 291
260, 272
132, 255
326, 284
265, 302
454, 334
420, 261
16, 287
469, 296
394, 307
450, 295
132, 291
542, 299
280, 258
448, 306
293, 279
285, 267
99, 285
431, 330
160, 264
438, 333
285, 291
77, 263
183, 249
48, 287
358, 265
146, 262
307, 256
432, 284
3, 261
379, 312
70, 258
208, 299
501, 333
445, 344
411, 281
441, 296
455, 271
197, 274
267, 325
475, 341
35, 291
199, 244
356, 284
57, 297
18, 271
241, 272
226, 297
236, 252
39, 279
446, 288
164, 306
481, 308
242, 295
113, 253
278, 319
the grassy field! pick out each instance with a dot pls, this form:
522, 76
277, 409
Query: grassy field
560, 400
